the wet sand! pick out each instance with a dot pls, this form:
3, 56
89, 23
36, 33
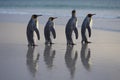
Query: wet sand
96, 61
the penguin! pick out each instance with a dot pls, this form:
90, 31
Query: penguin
31, 28
49, 27
86, 25
70, 27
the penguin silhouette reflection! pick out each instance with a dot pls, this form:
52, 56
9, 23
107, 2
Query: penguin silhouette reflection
70, 59
32, 60
85, 56
49, 55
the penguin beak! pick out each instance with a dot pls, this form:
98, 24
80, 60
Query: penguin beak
39, 15
55, 17
93, 14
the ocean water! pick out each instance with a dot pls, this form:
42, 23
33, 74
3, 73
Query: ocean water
109, 9
104, 8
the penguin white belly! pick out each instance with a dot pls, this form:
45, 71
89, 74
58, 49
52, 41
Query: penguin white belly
35, 35
87, 34
91, 23
73, 37
51, 36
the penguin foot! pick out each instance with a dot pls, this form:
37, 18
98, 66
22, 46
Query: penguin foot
49, 43
71, 44
88, 42
34, 45
30, 45
52, 43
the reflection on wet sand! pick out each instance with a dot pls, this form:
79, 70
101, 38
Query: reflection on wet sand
49, 55
70, 59
32, 60
85, 56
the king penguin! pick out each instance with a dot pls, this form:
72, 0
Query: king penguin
49, 27
86, 25
70, 27
31, 28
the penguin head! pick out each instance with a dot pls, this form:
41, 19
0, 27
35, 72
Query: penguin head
73, 12
35, 16
90, 15
52, 18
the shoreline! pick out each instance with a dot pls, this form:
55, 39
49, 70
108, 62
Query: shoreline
98, 23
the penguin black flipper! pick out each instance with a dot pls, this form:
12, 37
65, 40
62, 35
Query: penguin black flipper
89, 31
76, 32
53, 32
37, 32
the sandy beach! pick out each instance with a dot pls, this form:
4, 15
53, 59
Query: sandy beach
96, 61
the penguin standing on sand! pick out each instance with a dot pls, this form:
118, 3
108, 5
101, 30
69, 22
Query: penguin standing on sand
32, 26
86, 25
70, 27
49, 27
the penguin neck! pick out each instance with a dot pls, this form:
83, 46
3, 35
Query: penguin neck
50, 20
73, 15
89, 18
35, 19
